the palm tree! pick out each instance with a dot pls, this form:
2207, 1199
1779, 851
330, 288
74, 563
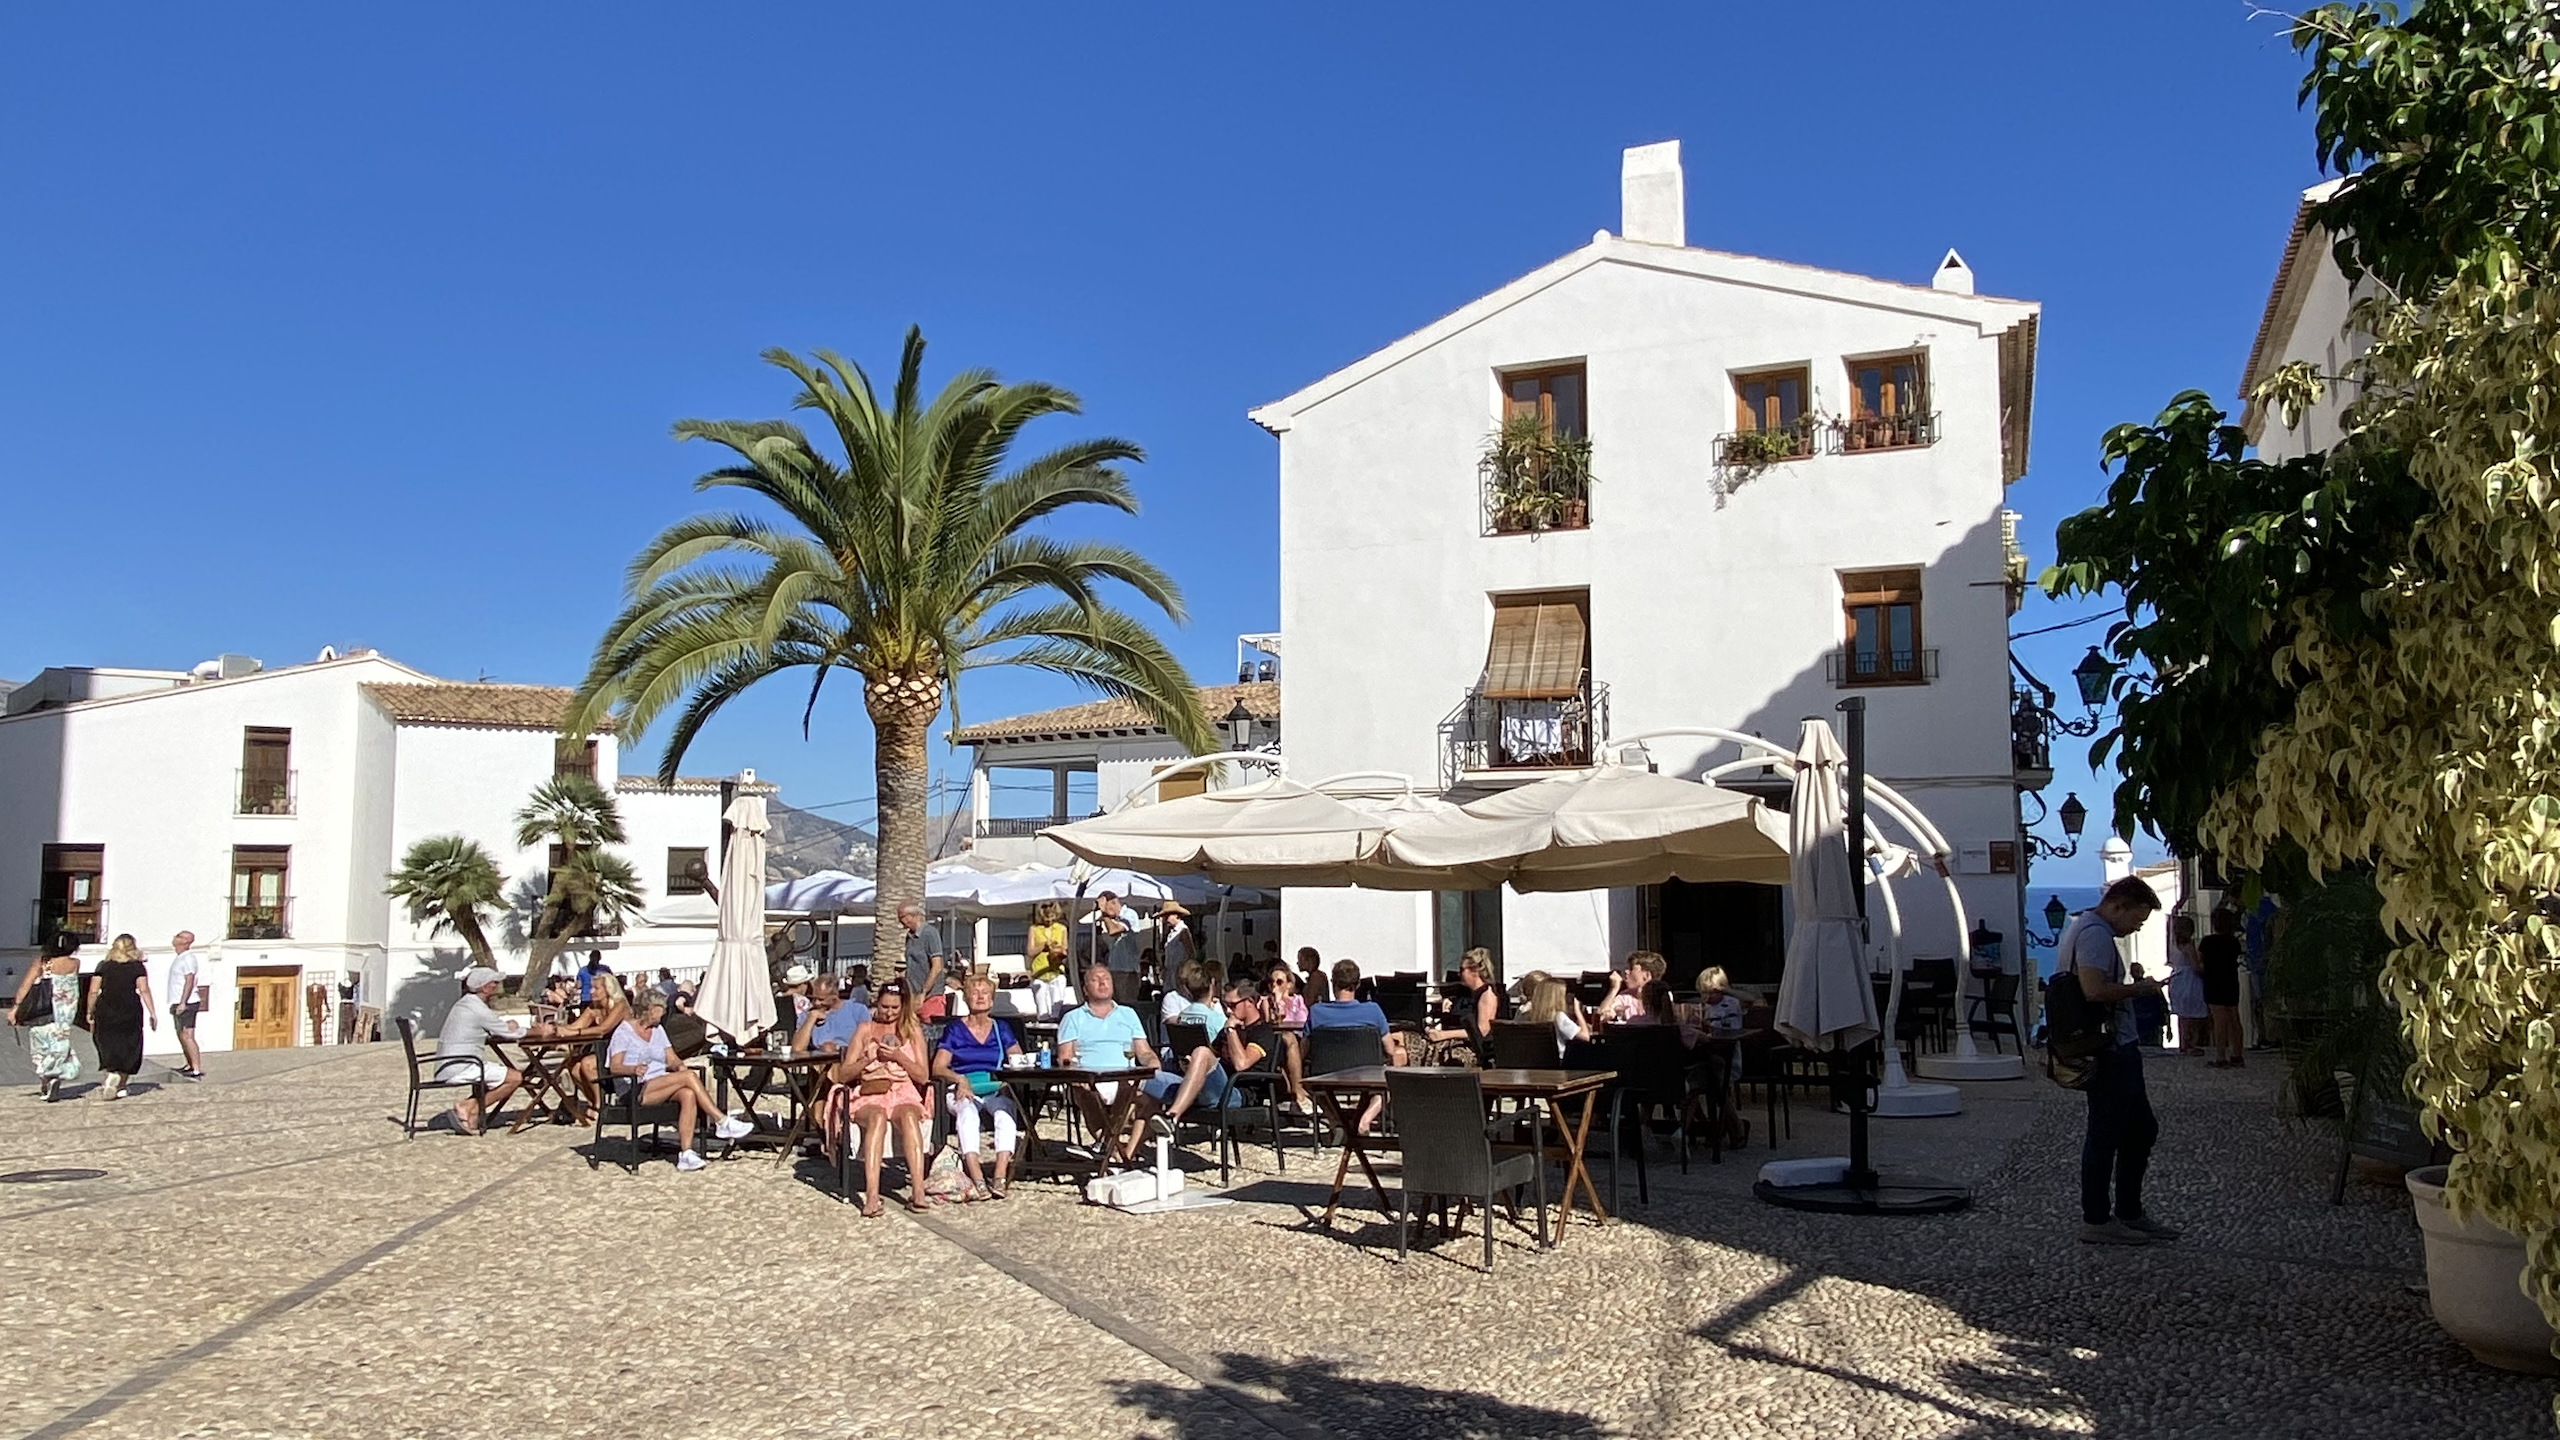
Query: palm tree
911, 560
590, 887
447, 881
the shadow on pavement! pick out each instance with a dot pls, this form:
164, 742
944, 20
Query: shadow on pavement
1315, 1398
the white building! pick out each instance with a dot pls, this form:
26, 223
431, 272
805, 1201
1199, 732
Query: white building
1054, 766
2306, 319
262, 809
1440, 628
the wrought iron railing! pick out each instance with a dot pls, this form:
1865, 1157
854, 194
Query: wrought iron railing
1004, 827
1485, 733
86, 923
2030, 739
1849, 666
264, 792
1861, 433
272, 920
1745, 449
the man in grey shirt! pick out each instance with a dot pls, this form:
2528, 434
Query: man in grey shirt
2122, 1128
924, 954
470, 1024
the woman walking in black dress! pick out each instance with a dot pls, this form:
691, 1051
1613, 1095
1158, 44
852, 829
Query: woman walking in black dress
2219, 953
117, 1010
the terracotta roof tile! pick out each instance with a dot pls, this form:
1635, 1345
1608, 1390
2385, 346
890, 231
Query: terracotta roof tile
1117, 717
512, 707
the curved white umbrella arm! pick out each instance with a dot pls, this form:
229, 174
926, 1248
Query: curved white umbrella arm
1882, 877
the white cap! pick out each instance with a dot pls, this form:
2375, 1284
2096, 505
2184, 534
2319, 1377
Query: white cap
478, 976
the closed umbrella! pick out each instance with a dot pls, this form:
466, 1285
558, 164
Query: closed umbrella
1823, 998
736, 995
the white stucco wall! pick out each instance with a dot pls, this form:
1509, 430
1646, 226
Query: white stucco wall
1699, 615
2317, 332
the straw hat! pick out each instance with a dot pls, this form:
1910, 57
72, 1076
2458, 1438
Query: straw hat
1172, 907
798, 975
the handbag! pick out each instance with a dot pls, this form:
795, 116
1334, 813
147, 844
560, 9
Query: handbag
36, 1006
982, 1084
2077, 1031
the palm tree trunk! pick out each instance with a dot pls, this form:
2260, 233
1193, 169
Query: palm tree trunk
475, 940
902, 708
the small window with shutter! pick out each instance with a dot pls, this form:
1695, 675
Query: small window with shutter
1541, 647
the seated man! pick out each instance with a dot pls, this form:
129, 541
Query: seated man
831, 1019
1347, 1011
1101, 1034
1189, 995
468, 1026
1242, 1043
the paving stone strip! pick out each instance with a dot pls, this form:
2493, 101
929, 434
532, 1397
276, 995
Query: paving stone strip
1123, 1329
112, 1197
159, 1372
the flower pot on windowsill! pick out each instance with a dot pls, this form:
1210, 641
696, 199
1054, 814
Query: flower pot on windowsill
2472, 1273
1577, 515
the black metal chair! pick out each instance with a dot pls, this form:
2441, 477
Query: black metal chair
1932, 983
1325, 1049
1524, 1045
1767, 1061
1404, 1006
1994, 1012
423, 1076
1449, 1151
618, 1103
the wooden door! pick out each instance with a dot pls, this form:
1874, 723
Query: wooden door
264, 1017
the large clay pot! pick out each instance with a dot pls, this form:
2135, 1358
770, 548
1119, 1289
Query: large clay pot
2472, 1267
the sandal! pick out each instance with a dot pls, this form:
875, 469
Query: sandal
872, 1210
972, 1194
996, 1188
918, 1207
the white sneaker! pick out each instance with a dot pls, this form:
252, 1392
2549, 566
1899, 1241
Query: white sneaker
111, 1088
733, 1128
687, 1160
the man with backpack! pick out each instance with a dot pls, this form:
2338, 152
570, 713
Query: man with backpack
2122, 1128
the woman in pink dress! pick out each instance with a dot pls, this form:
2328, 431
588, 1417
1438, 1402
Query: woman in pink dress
881, 1083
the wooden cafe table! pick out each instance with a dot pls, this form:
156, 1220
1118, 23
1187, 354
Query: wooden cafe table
544, 1063
1032, 1080
1344, 1093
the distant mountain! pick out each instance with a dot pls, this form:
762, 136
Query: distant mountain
801, 844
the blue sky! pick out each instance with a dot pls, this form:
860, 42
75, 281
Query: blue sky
363, 326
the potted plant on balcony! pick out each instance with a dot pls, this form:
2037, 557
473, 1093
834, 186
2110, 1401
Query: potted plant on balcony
1535, 478
1744, 455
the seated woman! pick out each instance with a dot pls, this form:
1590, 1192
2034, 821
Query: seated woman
1552, 1002
974, 1048
603, 1013
1483, 1002
1720, 1010
879, 1085
639, 1061
1286, 1011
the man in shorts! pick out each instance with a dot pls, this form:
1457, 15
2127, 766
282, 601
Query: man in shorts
468, 1026
187, 983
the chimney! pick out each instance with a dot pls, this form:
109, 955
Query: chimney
1954, 276
1654, 209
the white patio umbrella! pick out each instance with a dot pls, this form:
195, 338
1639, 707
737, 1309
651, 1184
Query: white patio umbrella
1596, 829
1271, 832
1824, 998
736, 995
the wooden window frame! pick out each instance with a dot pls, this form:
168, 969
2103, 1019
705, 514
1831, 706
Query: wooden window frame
1904, 424
1882, 591
1545, 403
573, 757
245, 866
1745, 420
266, 785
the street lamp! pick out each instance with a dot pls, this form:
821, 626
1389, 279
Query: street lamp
1239, 723
2093, 674
2056, 914
2072, 814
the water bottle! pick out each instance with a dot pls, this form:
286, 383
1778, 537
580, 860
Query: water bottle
1045, 1059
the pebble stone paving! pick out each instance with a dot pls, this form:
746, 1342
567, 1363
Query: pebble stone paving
265, 1256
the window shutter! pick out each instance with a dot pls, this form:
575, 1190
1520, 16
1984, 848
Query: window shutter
1880, 587
1536, 653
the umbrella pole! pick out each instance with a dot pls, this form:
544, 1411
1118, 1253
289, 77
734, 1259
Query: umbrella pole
1862, 1175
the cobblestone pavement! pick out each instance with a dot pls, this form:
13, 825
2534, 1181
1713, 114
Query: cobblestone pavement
266, 1256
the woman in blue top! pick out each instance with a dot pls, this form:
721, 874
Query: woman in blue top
974, 1047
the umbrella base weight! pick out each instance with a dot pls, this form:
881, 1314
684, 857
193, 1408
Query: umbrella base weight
1890, 1194
1916, 1102
1974, 1067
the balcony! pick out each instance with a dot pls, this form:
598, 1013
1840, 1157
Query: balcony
1532, 479
1851, 668
1485, 734
2030, 740
263, 792
1752, 449
1861, 433
272, 920
86, 923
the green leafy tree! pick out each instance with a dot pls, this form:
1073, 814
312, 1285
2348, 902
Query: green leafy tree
908, 561
591, 888
449, 884
2393, 704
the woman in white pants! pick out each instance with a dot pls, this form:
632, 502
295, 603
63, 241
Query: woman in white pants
975, 1047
